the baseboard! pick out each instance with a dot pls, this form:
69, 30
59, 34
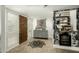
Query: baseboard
12, 46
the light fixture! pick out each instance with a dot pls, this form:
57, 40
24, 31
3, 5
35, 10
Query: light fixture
45, 5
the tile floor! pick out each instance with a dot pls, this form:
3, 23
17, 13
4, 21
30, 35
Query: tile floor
48, 48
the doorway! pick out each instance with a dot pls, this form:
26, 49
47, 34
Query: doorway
22, 29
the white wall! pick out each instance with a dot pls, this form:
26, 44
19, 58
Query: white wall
0, 28
3, 29
12, 30
0, 21
32, 21
49, 24
30, 28
73, 19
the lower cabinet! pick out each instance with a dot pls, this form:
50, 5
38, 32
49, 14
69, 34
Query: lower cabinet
40, 34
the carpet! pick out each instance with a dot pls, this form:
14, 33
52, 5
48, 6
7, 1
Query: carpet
35, 44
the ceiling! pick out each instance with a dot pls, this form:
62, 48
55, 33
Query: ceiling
39, 10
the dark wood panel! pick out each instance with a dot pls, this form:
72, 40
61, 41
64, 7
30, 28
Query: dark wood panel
22, 29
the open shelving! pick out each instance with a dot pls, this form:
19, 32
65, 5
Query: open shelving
62, 24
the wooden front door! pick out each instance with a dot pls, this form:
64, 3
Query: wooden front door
22, 29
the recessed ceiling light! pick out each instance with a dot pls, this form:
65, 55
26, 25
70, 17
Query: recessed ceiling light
45, 5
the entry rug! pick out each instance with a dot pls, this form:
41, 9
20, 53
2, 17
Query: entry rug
38, 43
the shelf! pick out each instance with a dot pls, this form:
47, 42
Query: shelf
64, 31
66, 25
64, 22
62, 17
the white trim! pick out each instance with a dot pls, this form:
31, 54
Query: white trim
14, 45
3, 29
66, 48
